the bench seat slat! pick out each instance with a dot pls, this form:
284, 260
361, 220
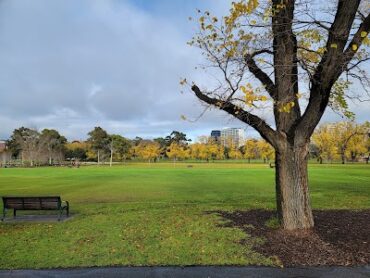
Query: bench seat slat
32, 203
14, 206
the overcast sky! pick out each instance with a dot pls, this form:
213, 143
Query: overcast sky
73, 64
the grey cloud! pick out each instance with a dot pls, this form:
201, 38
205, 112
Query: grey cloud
72, 65
55, 53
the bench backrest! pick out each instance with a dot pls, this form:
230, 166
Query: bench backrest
30, 203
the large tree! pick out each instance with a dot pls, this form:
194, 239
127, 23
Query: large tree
119, 147
177, 137
292, 58
15, 142
99, 140
351, 139
148, 150
326, 141
25, 143
53, 143
177, 151
251, 149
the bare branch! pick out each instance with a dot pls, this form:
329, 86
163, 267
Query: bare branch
260, 74
330, 67
256, 122
357, 40
314, 22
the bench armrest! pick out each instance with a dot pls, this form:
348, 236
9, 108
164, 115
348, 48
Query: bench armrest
67, 203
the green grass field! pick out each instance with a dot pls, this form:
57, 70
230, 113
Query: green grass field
158, 214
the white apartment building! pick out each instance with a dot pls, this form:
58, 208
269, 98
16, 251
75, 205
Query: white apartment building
234, 136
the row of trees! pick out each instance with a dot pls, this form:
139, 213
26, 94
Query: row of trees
35, 148
205, 150
345, 141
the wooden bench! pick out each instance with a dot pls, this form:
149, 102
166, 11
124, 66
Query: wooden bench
35, 203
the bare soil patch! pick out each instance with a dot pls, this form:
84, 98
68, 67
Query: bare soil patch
340, 237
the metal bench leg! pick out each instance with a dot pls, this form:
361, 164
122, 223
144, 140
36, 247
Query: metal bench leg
14, 213
4, 214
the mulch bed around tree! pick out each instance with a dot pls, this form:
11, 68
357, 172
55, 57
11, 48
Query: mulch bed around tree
340, 237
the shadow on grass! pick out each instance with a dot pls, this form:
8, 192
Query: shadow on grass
37, 218
340, 237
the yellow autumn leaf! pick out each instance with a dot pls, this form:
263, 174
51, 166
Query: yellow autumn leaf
321, 50
363, 34
366, 41
263, 98
183, 82
354, 47
334, 45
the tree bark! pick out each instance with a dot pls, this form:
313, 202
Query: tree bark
111, 154
343, 156
292, 194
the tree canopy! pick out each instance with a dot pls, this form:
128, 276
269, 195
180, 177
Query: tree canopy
292, 58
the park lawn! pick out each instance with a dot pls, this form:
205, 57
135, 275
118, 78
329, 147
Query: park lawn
158, 214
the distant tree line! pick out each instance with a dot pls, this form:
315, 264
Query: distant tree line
344, 141
37, 148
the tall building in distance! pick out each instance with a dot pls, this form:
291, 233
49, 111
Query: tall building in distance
232, 136
216, 135
2, 145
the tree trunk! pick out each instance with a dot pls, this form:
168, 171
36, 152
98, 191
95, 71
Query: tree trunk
98, 157
111, 154
292, 195
343, 155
